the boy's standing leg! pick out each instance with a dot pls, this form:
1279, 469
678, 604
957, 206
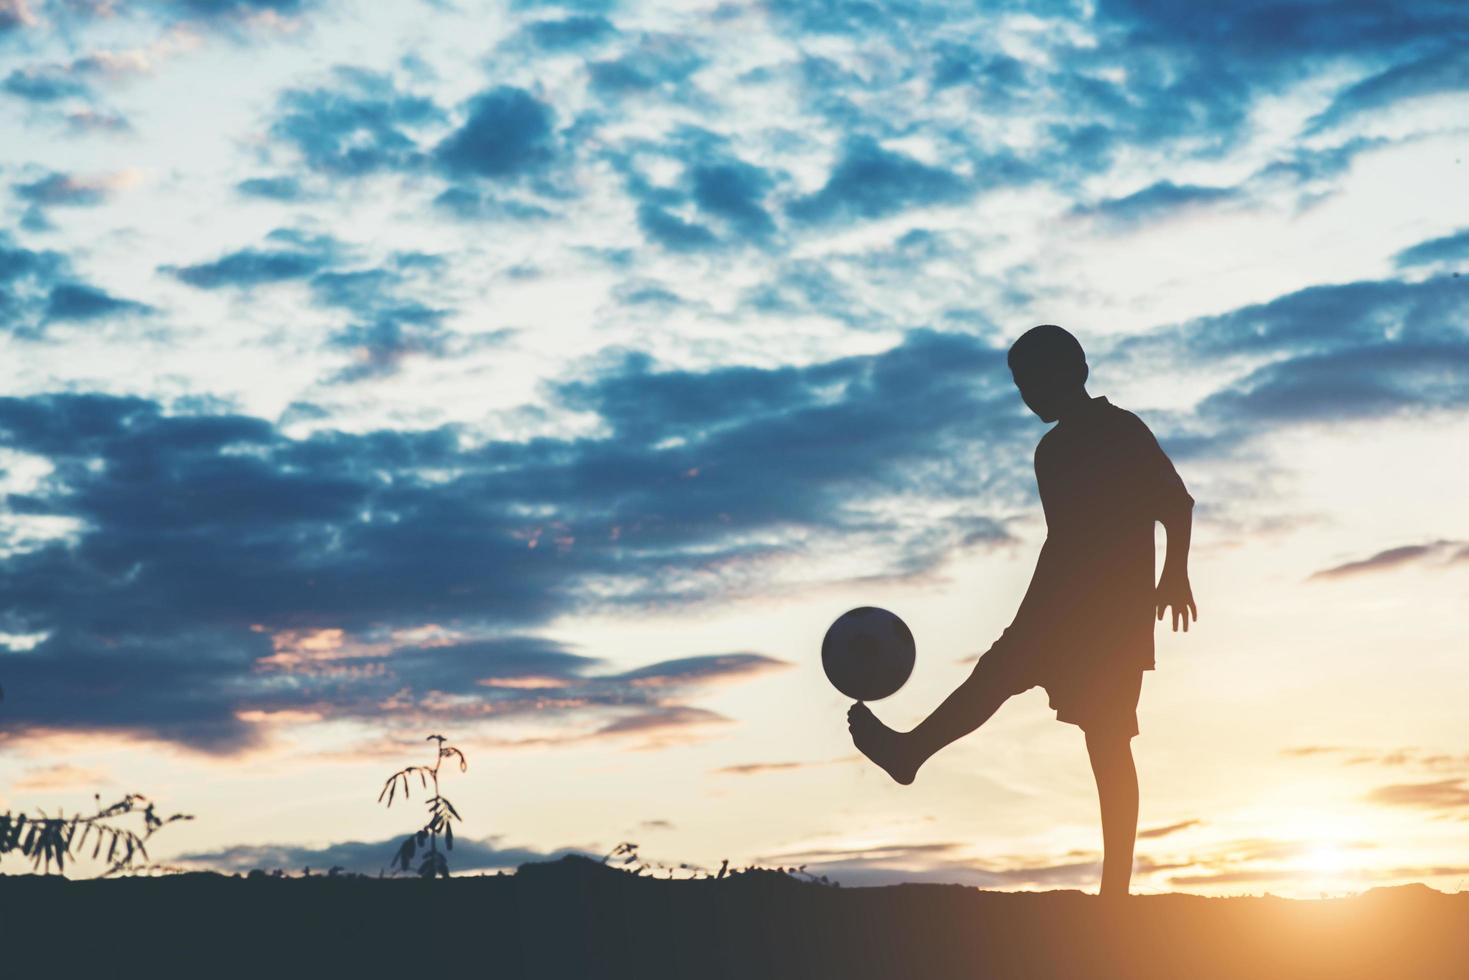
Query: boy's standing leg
1117, 792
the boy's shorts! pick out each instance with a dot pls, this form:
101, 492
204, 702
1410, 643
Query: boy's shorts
1099, 700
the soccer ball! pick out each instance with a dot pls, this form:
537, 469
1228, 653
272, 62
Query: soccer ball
868, 653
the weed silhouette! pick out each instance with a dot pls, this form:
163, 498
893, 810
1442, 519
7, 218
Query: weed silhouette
441, 812
625, 857
45, 839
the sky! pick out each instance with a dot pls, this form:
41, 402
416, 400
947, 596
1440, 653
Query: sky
550, 376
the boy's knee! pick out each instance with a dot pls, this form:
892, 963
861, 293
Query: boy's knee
1104, 744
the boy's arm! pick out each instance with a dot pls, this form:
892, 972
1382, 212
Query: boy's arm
1173, 507
1173, 587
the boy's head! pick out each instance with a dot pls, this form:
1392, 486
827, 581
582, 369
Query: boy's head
1049, 368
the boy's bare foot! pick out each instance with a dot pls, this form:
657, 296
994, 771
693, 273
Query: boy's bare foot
881, 744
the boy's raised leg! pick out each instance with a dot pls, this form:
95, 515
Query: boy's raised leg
901, 753
1116, 774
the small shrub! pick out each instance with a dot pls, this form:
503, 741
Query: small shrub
441, 813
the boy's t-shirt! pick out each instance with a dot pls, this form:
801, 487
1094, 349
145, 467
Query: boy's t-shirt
1103, 481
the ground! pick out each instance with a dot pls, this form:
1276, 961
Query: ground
578, 918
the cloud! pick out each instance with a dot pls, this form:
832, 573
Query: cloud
507, 133
90, 120
200, 537
1155, 202
364, 857
239, 8
38, 289
43, 84
1153, 833
1449, 248
1445, 551
567, 33
1323, 355
65, 190
1441, 71
1372, 381
1301, 751
1400, 757
290, 256
15, 14
734, 191
940, 862
717, 201
1442, 794
60, 776
761, 768
282, 188
474, 204
78, 302
672, 232
359, 124
1277, 36
656, 66
871, 182
386, 325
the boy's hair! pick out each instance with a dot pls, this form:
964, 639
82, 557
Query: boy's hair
1049, 347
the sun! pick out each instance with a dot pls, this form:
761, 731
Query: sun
1325, 859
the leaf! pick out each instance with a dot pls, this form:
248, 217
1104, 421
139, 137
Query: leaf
405, 853
449, 836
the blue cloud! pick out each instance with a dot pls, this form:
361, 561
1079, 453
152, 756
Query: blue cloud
735, 192
1324, 318
386, 325
39, 288
46, 83
1277, 34
76, 301
287, 189
194, 530
478, 205
1443, 71
292, 258
569, 32
507, 133
56, 190
657, 65
365, 857
59, 189
1154, 202
237, 8
1449, 248
360, 125
1371, 349
673, 232
870, 182
1370, 381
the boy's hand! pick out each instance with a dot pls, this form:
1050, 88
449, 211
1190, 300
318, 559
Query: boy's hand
1175, 591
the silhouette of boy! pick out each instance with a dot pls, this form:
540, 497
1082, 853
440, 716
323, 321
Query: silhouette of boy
1084, 630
